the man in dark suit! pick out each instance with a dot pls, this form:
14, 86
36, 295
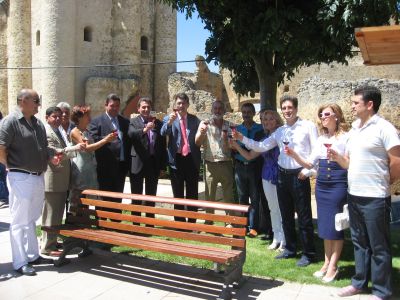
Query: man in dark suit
112, 158
183, 153
148, 151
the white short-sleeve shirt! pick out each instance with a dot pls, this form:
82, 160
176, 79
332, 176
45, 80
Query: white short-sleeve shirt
367, 148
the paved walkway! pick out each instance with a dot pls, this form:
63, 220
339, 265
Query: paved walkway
107, 275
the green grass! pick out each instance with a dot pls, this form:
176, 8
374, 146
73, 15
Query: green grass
260, 262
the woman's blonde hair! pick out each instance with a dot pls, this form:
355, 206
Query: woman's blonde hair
341, 125
274, 114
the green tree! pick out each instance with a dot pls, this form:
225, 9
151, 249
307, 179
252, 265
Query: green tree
263, 42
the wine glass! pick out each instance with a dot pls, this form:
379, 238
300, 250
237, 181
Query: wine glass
232, 128
285, 140
85, 140
152, 116
328, 144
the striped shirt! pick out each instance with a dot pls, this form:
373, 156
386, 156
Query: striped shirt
367, 149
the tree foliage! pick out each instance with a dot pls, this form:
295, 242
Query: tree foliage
263, 42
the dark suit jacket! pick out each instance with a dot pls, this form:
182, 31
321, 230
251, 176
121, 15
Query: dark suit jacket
109, 154
140, 152
174, 138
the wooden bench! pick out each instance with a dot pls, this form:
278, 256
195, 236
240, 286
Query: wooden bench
223, 245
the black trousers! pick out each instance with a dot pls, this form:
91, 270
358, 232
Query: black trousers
112, 178
294, 195
149, 175
186, 175
370, 233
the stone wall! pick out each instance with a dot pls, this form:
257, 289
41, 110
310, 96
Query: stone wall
51, 34
98, 88
316, 91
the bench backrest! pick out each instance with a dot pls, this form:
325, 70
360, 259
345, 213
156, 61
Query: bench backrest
121, 217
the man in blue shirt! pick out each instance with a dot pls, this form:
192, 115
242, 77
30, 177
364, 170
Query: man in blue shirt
248, 172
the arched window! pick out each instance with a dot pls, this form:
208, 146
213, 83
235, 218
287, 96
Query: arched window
144, 43
38, 38
87, 34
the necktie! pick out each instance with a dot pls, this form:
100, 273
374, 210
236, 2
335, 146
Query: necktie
114, 121
59, 135
150, 135
185, 144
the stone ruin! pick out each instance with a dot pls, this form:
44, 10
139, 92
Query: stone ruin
202, 87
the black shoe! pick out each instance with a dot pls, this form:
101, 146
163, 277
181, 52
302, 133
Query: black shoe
42, 261
26, 270
304, 261
285, 255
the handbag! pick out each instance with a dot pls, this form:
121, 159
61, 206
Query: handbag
342, 220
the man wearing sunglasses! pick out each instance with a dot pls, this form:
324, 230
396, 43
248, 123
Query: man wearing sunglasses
24, 150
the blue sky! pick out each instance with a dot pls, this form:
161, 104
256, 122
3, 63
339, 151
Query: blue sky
191, 42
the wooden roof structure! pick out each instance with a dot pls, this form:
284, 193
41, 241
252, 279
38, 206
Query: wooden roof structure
379, 45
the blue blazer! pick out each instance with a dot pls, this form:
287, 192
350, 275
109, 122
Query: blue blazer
174, 138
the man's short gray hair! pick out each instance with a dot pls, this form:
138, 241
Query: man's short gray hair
64, 105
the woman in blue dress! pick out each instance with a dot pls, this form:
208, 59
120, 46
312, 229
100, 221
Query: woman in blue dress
331, 185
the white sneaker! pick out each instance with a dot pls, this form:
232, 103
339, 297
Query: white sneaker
275, 244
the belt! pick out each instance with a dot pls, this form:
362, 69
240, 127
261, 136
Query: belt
25, 172
289, 171
245, 163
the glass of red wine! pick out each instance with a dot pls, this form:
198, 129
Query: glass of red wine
206, 122
285, 141
175, 110
152, 116
328, 145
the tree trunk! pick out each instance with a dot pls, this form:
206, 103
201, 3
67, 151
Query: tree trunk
267, 81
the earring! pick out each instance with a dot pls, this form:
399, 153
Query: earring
335, 119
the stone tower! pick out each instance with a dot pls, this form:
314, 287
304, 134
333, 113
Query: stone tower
88, 36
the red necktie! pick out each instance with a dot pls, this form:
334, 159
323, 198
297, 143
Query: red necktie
185, 145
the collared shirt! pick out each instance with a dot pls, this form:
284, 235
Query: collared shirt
65, 134
26, 143
216, 147
249, 133
302, 137
367, 148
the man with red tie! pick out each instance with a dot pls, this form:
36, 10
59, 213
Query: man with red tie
183, 153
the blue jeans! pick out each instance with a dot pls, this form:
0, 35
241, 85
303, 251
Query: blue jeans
247, 178
370, 233
294, 195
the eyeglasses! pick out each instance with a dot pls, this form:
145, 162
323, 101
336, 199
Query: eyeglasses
326, 114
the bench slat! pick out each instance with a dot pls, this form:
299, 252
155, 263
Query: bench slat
165, 211
163, 246
159, 199
205, 238
164, 223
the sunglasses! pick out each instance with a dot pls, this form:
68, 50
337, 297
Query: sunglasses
326, 114
37, 100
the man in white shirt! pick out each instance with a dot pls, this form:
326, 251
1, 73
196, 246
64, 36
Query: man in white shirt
294, 191
372, 148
